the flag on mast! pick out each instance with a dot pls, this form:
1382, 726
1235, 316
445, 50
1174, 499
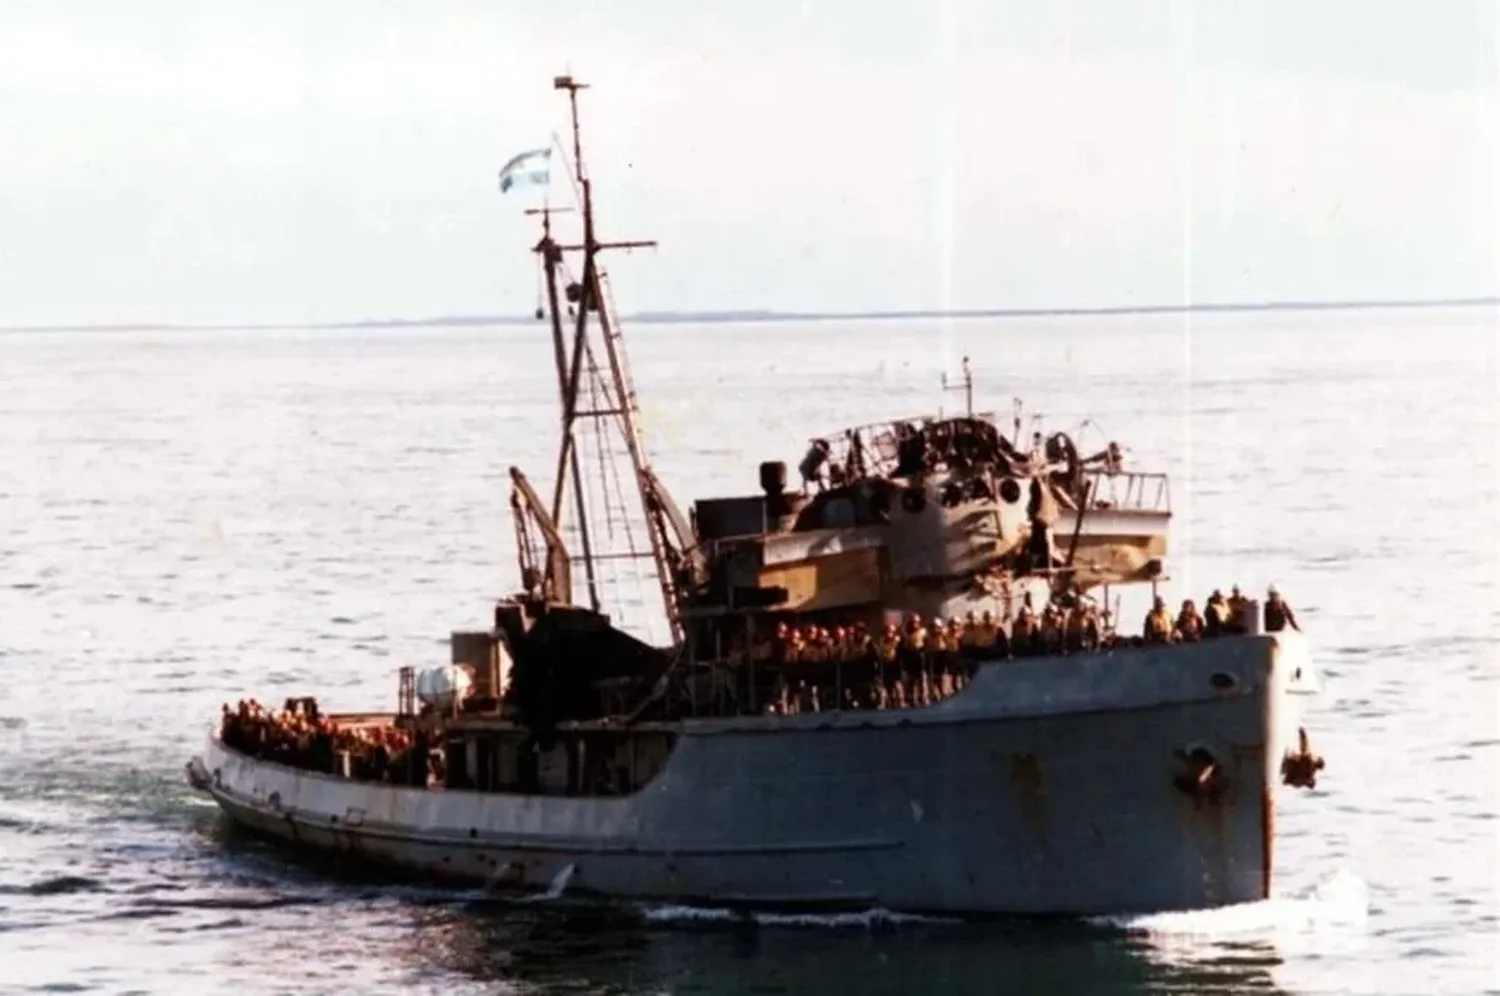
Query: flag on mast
534, 167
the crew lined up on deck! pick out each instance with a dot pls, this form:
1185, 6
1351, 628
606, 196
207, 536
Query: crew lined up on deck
917, 663
810, 667
300, 737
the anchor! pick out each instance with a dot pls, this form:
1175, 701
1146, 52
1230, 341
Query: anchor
1300, 768
198, 776
1201, 775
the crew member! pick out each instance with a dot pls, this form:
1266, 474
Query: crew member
1052, 629
1278, 614
1023, 630
1217, 621
1158, 627
1238, 606
1082, 628
1190, 624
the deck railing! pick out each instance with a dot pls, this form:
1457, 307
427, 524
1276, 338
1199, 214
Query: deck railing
1129, 491
878, 441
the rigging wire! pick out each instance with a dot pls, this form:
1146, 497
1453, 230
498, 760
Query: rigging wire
608, 450
606, 447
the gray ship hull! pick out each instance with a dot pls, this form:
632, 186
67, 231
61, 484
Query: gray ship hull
1048, 786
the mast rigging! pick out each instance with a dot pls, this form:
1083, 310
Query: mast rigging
611, 399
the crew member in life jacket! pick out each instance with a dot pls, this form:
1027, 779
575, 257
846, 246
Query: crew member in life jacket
1052, 629
1158, 628
1216, 622
1023, 635
940, 642
1278, 614
972, 642
1190, 624
914, 651
1081, 628
785, 644
983, 637
1238, 604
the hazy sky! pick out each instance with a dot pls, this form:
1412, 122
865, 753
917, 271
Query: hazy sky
303, 160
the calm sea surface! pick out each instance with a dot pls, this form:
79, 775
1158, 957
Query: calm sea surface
191, 517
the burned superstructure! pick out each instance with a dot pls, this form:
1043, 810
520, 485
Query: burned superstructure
933, 517
897, 681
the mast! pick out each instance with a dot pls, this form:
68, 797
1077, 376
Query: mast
589, 294
551, 255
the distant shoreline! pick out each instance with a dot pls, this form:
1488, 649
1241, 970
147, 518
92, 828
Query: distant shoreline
742, 317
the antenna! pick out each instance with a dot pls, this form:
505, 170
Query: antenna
571, 85
966, 386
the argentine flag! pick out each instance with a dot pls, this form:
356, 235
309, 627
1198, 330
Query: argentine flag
528, 167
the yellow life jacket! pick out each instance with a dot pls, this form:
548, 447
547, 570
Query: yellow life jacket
1159, 624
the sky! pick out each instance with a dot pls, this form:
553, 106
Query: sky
295, 161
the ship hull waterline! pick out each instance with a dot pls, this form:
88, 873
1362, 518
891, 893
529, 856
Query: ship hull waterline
1049, 786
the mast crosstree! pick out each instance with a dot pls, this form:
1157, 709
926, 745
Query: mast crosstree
599, 402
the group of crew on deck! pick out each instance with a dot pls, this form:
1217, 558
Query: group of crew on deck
824, 667
300, 737
801, 668
1221, 617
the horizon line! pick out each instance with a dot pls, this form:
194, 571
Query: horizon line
771, 315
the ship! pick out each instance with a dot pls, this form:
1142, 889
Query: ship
851, 703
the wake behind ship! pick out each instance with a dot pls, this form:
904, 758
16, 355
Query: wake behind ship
899, 684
